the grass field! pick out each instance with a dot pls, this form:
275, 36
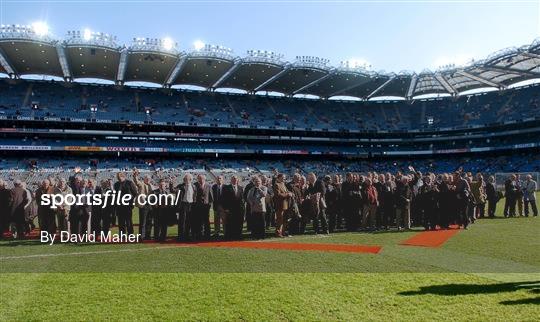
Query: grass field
490, 272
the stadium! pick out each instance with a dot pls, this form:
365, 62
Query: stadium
307, 190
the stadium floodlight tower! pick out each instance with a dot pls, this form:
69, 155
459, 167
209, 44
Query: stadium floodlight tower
89, 54
303, 73
215, 51
312, 63
264, 56
256, 62
350, 74
36, 39
149, 60
204, 66
354, 65
38, 31
89, 37
207, 50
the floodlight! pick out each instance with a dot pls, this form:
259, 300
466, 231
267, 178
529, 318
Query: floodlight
198, 45
87, 34
168, 44
40, 28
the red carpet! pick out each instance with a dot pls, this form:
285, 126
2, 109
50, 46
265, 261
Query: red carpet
342, 248
431, 238
290, 246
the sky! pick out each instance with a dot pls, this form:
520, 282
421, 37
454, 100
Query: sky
391, 35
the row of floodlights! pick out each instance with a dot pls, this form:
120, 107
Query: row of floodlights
312, 60
165, 43
89, 35
264, 54
41, 29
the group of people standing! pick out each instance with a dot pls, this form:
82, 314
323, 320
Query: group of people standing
324, 204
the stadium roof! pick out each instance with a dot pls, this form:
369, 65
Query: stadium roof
84, 54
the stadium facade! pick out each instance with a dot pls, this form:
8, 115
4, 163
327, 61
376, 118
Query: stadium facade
70, 118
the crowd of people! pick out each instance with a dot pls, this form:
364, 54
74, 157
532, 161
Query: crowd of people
292, 206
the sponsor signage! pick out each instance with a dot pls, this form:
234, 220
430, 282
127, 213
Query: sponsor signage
25, 147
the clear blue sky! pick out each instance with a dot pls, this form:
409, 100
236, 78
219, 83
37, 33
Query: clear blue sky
391, 35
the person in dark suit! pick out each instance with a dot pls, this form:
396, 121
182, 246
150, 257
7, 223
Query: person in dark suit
529, 195
492, 197
17, 200
187, 221
248, 211
86, 218
316, 192
464, 196
233, 203
46, 214
403, 197
76, 211
219, 213
97, 210
428, 201
296, 221
145, 214
4, 207
333, 201
106, 213
201, 207
510, 192
125, 212
351, 195
161, 211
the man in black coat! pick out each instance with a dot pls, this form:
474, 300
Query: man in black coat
17, 200
45, 213
351, 194
403, 197
125, 212
510, 192
463, 195
219, 214
492, 197
233, 203
76, 212
161, 211
428, 203
4, 207
333, 201
248, 211
201, 207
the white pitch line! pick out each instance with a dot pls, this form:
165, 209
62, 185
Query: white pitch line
91, 252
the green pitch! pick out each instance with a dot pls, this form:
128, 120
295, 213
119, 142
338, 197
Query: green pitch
490, 272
